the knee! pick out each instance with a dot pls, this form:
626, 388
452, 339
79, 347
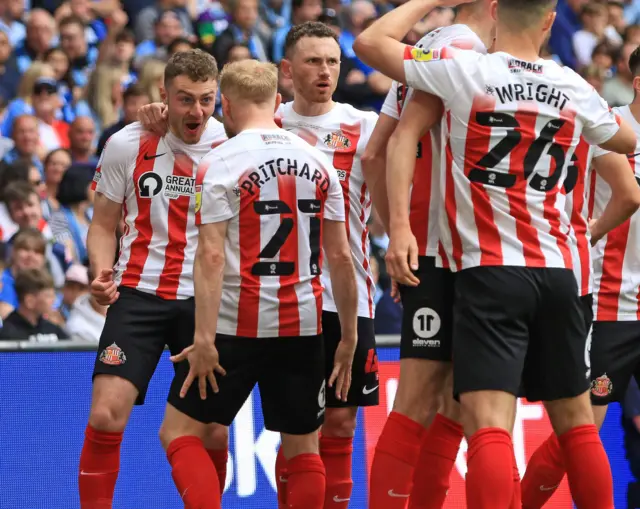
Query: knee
340, 422
108, 416
566, 414
217, 437
487, 409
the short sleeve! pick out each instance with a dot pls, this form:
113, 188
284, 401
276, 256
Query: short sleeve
390, 106
334, 205
600, 122
213, 206
110, 177
435, 71
599, 152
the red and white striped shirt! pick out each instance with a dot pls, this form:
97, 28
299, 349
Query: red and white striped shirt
274, 190
577, 209
155, 179
426, 204
511, 129
342, 135
616, 258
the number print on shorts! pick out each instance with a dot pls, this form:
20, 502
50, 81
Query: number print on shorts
426, 323
587, 352
322, 397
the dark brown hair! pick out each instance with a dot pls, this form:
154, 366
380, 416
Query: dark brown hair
524, 13
19, 191
28, 238
195, 64
32, 281
307, 29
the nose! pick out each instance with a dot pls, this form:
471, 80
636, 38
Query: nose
196, 112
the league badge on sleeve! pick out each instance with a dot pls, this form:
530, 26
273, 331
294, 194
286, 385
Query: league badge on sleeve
422, 55
198, 198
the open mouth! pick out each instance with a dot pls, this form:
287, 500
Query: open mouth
192, 127
323, 85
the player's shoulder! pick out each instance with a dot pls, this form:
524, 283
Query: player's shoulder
350, 114
124, 145
457, 36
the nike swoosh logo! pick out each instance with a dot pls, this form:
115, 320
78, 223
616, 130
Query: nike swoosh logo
630, 156
147, 157
548, 488
90, 473
282, 479
366, 390
397, 495
336, 499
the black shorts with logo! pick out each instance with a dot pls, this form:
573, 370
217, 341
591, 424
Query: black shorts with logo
427, 317
615, 358
289, 372
517, 325
137, 328
364, 373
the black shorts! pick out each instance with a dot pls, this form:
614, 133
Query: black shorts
289, 372
615, 358
137, 328
364, 373
427, 316
517, 325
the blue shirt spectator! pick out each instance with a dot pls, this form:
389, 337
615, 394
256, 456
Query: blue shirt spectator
566, 24
301, 11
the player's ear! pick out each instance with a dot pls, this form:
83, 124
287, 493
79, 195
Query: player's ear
278, 102
285, 68
636, 84
494, 10
226, 111
29, 301
548, 22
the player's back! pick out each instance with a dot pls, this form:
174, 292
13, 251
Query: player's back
155, 179
342, 135
616, 258
425, 201
277, 190
511, 130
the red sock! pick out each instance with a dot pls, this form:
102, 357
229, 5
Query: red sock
438, 454
193, 472
336, 455
99, 466
588, 468
489, 479
394, 462
219, 458
544, 474
306, 482
281, 479
516, 499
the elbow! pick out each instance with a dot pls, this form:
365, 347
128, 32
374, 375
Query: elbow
364, 46
340, 258
211, 257
632, 202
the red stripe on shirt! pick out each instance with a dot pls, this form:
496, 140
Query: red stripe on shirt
289, 313
177, 235
365, 236
450, 202
249, 235
578, 221
316, 284
139, 249
343, 160
421, 195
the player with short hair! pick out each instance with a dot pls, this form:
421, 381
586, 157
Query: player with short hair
614, 357
512, 124
426, 342
152, 180
271, 210
340, 131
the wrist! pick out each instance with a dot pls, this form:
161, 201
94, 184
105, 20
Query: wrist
399, 223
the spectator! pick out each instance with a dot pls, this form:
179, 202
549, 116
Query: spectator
36, 295
618, 91
133, 99
11, 16
27, 252
147, 17
167, 28
594, 76
152, 79
56, 164
241, 30
76, 284
595, 29
41, 35
239, 52
632, 34
178, 45
104, 93
82, 134
95, 29
603, 57
73, 42
9, 75
6, 144
210, 24
53, 133
26, 139
302, 10
87, 318
616, 16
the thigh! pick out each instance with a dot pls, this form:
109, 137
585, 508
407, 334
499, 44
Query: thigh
180, 334
242, 359
557, 361
133, 338
427, 317
615, 358
492, 311
364, 373
292, 384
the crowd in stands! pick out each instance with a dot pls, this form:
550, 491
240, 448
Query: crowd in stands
73, 73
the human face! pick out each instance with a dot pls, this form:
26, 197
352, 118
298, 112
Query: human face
310, 10
246, 14
35, 179
28, 258
71, 291
190, 105
168, 29
124, 51
42, 302
60, 63
72, 41
40, 31
25, 135
57, 166
5, 48
26, 214
179, 48
238, 53
314, 68
45, 104
81, 134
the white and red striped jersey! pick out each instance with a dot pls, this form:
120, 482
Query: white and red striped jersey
616, 258
577, 209
511, 128
274, 190
425, 206
342, 135
155, 179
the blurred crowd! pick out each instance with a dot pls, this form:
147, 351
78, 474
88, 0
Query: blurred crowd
72, 73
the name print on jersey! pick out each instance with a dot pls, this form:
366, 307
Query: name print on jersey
539, 92
267, 171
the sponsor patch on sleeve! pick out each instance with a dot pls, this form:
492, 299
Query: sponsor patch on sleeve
421, 55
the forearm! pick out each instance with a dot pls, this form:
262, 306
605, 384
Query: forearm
101, 246
345, 293
617, 211
374, 170
400, 168
208, 277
